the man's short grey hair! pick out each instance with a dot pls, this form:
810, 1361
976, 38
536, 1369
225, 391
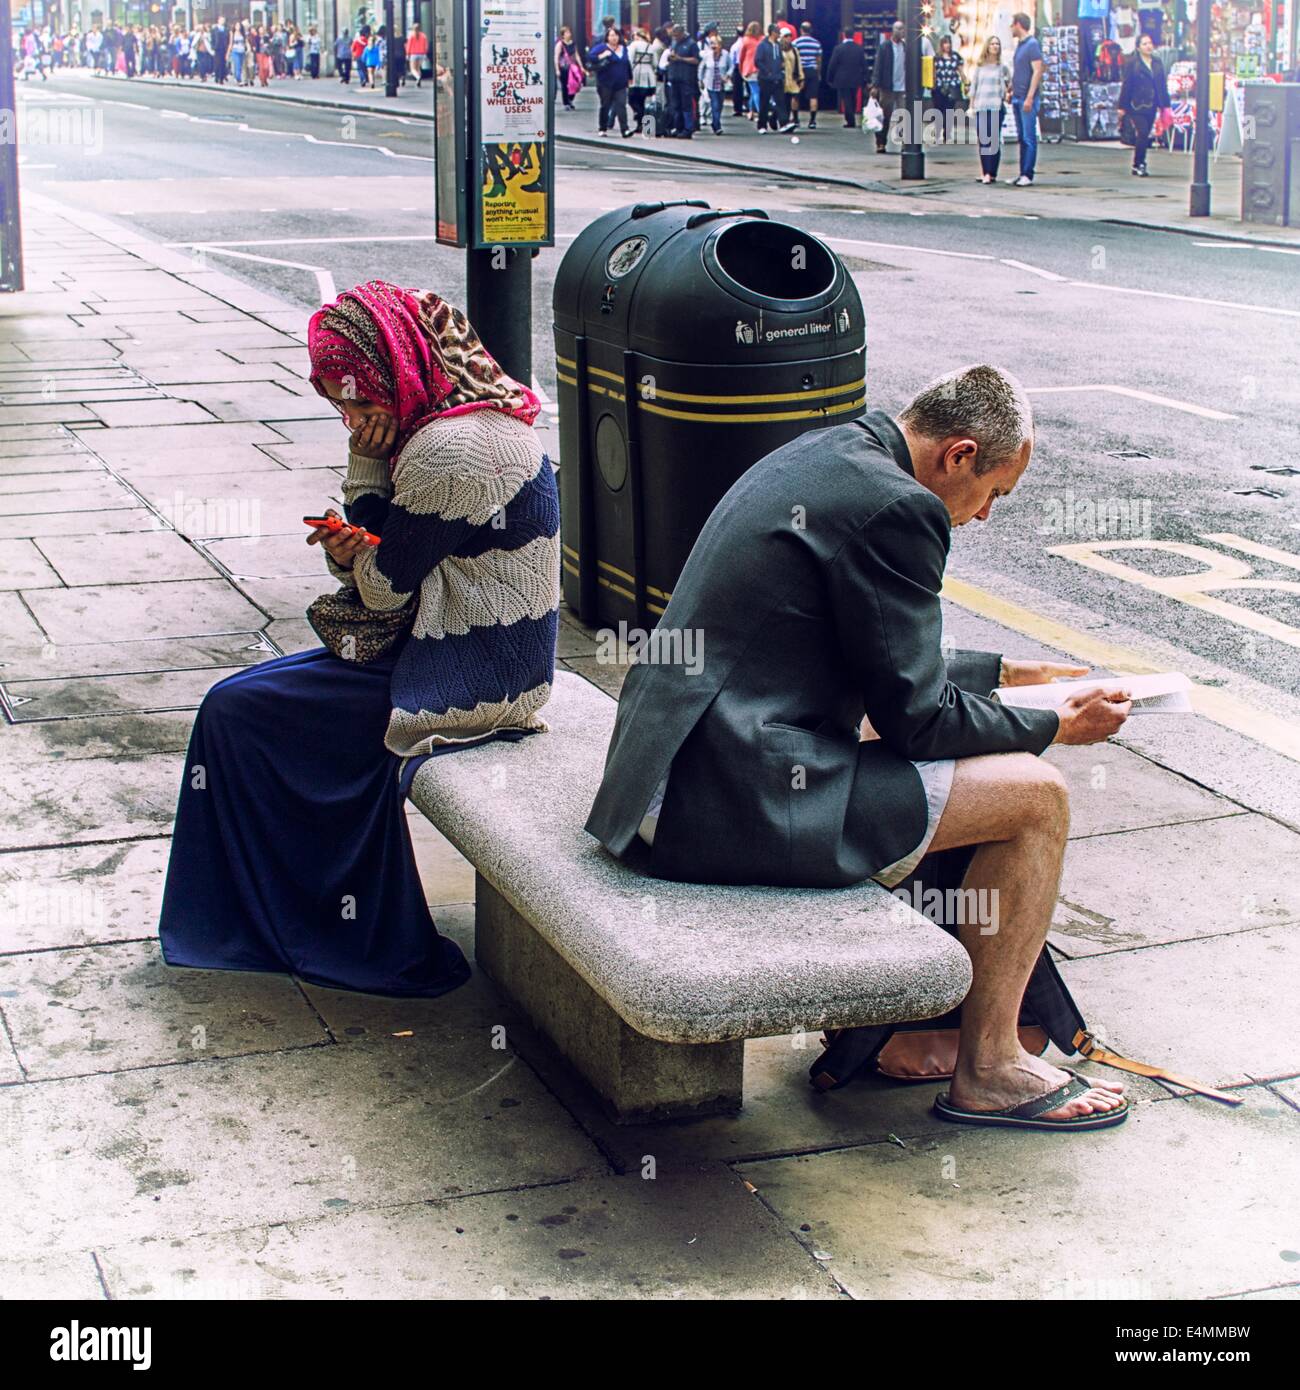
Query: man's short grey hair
983, 402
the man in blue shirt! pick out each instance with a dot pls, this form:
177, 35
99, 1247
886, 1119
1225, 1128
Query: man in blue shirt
683, 82
1026, 77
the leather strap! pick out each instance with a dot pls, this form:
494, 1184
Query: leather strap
1089, 1047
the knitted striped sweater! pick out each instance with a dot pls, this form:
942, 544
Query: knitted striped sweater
470, 519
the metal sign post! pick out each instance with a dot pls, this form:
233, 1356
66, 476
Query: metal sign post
1199, 199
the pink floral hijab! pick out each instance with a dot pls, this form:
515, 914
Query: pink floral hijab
412, 352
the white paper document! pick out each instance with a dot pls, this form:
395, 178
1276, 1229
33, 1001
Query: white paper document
1165, 693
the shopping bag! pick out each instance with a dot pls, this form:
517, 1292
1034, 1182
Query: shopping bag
873, 117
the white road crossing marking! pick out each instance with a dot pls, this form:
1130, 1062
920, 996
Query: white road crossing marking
1033, 269
1150, 397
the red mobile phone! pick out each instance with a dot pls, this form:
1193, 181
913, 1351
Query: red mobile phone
334, 523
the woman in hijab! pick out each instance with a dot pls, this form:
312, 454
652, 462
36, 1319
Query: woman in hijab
291, 850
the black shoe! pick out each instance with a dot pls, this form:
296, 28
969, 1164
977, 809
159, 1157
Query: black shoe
1140, 171
812, 125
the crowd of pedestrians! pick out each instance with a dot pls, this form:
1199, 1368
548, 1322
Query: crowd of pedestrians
673, 84
243, 53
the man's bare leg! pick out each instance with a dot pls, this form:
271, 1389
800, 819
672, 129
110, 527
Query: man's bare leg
1015, 807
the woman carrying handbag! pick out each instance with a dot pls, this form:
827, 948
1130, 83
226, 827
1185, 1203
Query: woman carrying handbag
1145, 93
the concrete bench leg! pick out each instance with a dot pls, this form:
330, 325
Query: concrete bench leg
637, 1077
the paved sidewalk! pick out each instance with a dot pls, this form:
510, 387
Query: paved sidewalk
1088, 180
195, 1134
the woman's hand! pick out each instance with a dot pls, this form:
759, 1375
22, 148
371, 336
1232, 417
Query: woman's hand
375, 438
343, 545
1037, 672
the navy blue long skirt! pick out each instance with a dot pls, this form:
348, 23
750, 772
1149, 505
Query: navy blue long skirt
291, 851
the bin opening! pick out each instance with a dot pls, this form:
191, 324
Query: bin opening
775, 260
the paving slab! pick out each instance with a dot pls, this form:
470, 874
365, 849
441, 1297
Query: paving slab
11, 1072
99, 696
98, 494
168, 608
258, 403
301, 455
287, 598
71, 1276
81, 896
80, 348
1144, 887
141, 557
22, 566
83, 522
50, 481
111, 1007
81, 740
982, 1213
53, 660
17, 626
207, 372
123, 445
1154, 1004
268, 557
56, 412
19, 446
63, 805
697, 1236
61, 459
11, 434
292, 635
156, 412
209, 506
167, 1152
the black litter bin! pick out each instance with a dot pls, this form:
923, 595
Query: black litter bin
689, 343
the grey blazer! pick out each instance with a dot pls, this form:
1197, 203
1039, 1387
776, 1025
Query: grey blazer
814, 587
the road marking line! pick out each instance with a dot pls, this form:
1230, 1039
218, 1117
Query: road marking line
898, 246
1188, 299
312, 240
1150, 397
324, 280
1220, 572
1033, 269
1262, 552
1280, 735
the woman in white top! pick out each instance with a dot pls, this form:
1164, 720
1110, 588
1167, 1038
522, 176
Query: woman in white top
643, 53
989, 87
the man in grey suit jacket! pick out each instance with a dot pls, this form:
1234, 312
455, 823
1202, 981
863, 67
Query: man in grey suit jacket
824, 739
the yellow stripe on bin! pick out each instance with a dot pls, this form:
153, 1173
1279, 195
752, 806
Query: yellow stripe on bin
572, 569
617, 588
569, 550
752, 418
614, 569
566, 361
766, 397
567, 380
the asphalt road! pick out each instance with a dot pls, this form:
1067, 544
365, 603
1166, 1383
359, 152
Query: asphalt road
1206, 333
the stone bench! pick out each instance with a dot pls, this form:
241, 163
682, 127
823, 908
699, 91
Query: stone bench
649, 988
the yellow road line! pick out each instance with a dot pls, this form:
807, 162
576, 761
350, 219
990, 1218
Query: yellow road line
1280, 735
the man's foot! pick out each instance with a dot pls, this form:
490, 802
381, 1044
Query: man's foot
1027, 1078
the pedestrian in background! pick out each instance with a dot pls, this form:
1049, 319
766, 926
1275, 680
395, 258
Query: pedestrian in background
569, 71
1145, 92
265, 58
643, 54
313, 51
417, 49
889, 82
609, 61
715, 74
792, 84
771, 79
810, 55
749, 67
297, 47
220, 48
1026, 75
990, 88
238, 48
847, 72
343, 57
373, 58
947, 85
683, 82
739, 92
